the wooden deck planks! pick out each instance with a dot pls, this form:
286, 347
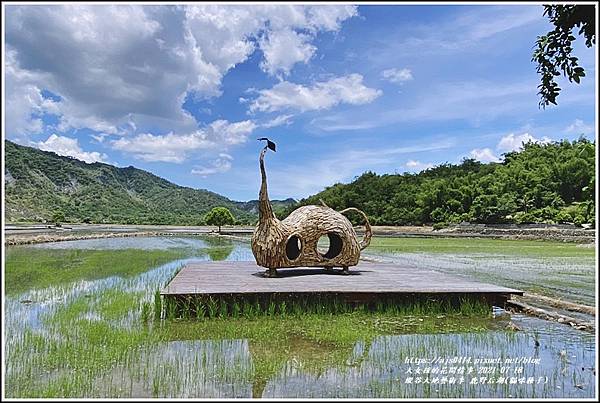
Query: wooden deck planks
231, 277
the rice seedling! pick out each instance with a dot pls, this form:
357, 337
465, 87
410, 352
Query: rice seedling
235, 310
145, 312
199, 309
158, 308
211, 307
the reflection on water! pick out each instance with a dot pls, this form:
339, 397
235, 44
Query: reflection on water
40, 321
383, 370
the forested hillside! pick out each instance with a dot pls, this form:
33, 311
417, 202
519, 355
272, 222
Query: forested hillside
39, 183
551, 183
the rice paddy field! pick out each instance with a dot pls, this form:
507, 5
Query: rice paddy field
554, 269
82, 319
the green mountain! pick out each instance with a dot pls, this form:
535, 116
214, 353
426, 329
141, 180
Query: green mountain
543, 183
39, 183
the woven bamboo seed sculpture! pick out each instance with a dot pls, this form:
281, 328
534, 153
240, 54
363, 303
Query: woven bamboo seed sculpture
293, 242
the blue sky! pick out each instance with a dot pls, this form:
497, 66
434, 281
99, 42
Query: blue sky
184, 91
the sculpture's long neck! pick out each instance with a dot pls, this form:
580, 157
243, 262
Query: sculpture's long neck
265, 210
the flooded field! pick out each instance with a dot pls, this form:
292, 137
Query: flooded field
79, 323
555, 269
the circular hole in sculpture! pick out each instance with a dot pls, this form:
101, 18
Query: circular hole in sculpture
293, 247
330, 245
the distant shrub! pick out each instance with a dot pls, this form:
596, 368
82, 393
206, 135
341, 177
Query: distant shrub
58, 217
438, 215
440, 225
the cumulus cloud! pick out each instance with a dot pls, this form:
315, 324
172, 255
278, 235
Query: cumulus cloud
397, 76
418, 165
69, 147
176, 148
321, 95
484, 155
579, 127
219, 165
25, 103
508, 143
138, 63
128, 69
514, 142
283, 49
292, 28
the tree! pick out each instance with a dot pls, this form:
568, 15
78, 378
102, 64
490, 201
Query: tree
219, 216
553, 51
58, 217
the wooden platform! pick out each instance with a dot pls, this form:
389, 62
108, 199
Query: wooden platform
366, 281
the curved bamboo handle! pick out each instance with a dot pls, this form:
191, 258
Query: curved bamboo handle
368, 232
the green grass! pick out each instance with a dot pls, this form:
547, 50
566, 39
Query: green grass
28, 268
530, 248
283, 305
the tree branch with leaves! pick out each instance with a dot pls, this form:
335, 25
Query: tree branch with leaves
553, 52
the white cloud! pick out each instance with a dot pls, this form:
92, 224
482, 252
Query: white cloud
278, 121
223, 132
166, 148
579, 127
100, 137
283, 45
508, 143
24, 101
67, 146
484, 155
397, 76
219, 165
418, 165
127, 69
330, 18
321, 95
514, 143
283, 49
176, 148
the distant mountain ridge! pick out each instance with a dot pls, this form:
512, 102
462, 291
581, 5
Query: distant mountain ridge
38, 183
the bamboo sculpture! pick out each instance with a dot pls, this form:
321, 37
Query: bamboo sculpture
293, 241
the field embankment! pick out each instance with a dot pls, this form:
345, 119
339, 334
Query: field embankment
20, 234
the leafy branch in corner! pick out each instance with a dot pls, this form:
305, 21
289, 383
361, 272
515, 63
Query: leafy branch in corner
553, 50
